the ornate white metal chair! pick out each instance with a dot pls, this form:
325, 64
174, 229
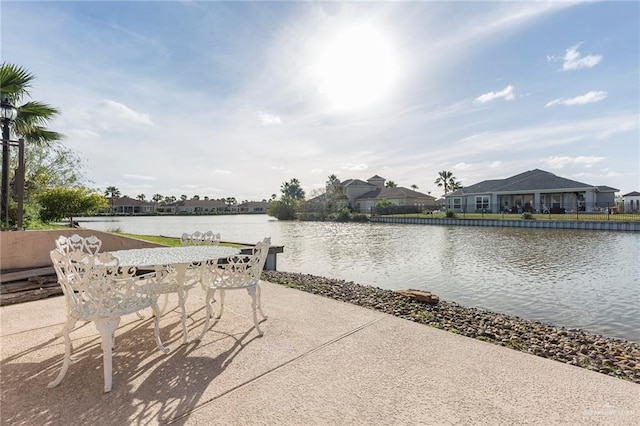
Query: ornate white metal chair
193, 274
90, 244
200, 238
239, 272
97, 289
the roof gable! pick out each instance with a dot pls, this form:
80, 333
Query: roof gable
393, 192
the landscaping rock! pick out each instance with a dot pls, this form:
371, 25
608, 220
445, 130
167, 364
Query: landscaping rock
609, 356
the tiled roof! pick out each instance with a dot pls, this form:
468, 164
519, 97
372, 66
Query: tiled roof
605, 188
355, 182
632, 194
531, 180
396, 192
128, 201
198, 203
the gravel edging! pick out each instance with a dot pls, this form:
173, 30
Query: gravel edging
605, 355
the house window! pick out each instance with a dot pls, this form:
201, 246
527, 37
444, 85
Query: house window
482, 202
457, 203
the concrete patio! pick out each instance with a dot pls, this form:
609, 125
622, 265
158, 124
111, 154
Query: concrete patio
320, 362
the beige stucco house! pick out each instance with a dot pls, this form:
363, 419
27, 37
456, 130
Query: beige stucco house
362, 196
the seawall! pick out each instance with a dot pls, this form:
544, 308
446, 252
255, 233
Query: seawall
511, 223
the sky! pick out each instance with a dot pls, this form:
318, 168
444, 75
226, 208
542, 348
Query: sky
232, 99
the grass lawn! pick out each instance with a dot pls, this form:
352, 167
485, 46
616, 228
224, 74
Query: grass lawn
167, 241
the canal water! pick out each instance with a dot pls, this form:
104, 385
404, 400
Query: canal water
569, 278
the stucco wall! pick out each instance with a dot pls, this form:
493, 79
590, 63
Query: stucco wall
30, 249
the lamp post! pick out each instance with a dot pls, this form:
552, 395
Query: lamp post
7, 115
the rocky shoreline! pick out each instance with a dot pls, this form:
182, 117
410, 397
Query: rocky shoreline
609, 356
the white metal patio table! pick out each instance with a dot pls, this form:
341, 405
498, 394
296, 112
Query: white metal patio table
178, 258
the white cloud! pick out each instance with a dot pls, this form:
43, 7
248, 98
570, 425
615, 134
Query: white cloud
354, 167
602, 174
506, 93
268, 119
83, 133
221, 172
587, 98
496, 164
462, 166
139, 177
316, 171
277, 167
573, 60
557, 162
123, 112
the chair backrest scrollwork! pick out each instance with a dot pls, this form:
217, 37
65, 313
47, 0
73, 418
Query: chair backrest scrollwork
97, 286
90, 244
243, 270
200, 239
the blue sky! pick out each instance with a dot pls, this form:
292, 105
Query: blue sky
225, 99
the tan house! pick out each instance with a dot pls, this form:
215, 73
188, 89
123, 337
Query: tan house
362, 196
253, 207
195, 207
128, 205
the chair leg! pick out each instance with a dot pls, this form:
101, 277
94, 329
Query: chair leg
164, 304
185, 335
221, 304
68, 326
252, 292
107, 327
207, 304
156, 314
259, 299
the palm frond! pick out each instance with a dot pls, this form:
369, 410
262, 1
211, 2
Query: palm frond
36, 113
39, 135
15, 82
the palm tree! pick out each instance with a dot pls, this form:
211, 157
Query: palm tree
141, 197
157, 198
414, 187
15, 83
390, 184
111, 192
448, 181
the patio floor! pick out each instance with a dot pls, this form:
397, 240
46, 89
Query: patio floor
320, 361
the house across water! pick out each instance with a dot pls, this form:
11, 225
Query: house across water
534, 191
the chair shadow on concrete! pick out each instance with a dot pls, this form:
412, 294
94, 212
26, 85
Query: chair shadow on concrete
176, 387
149, 387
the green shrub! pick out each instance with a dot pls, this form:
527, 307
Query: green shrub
344, 215
450, 213
527, 215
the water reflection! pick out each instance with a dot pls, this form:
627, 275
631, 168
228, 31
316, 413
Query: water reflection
581, 279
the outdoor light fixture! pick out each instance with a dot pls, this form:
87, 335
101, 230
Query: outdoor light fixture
8, 112
8, 115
